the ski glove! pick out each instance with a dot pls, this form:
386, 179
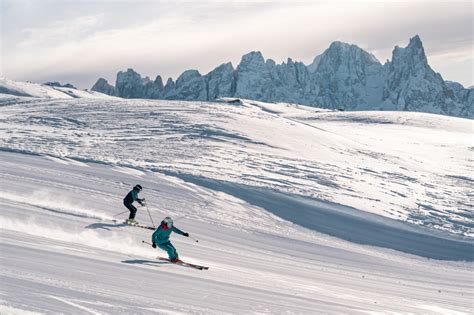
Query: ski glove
186, 234
154, 245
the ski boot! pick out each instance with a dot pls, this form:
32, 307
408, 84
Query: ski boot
131, 222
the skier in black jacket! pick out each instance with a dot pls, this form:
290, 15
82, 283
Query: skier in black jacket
129, 199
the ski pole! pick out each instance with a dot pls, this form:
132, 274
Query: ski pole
151, 219
120, 213
145, 242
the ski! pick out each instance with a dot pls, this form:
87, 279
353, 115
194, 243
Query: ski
182, 263
136, 225
141, 226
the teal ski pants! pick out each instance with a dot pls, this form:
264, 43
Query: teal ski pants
169, 248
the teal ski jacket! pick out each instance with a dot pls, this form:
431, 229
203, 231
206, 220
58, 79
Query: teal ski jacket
162, 233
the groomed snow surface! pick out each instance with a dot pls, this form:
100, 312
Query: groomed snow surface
296, 210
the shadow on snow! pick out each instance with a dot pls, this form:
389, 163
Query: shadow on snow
144, 262
345, 222
105, 226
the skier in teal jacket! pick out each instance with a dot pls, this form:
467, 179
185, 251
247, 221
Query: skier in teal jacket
161, 238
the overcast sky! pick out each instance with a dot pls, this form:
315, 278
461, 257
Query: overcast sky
78, 41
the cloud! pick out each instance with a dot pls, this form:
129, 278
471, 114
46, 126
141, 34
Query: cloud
169, 37
59, 32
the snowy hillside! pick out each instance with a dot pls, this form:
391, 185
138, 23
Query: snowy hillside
297, 210
17, 88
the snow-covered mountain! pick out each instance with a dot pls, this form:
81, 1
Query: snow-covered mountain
347, 77
343, 77
293, 213
412, 85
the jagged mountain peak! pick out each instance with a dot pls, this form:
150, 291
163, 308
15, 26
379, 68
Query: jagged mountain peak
344, 76
338, 45
189, 74
159, 81
342, 47
101, 81
103, 86
413, 53
169, 82
224, 66
129, 71
415, 41
252, 58
412, 85
345, 50
58, 84
338, 53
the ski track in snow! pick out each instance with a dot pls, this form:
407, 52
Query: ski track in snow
75, 264
406, 166
256, 187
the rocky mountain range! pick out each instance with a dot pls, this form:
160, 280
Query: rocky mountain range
58, 84
343, 77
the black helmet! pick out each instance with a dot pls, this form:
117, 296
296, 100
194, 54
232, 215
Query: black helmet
138, 187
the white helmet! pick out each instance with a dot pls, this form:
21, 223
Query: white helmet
168, 221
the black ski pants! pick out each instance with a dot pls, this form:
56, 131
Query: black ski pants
131, 208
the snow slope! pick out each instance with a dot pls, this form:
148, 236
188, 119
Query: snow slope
297, 210
60, 254
407, 166
18, 88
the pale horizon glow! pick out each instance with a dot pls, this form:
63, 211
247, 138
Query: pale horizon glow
79, 41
